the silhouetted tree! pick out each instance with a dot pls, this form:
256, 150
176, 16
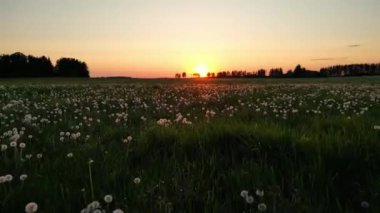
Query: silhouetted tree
299, 71
177, 75
261, 73
276, 72
71, 67
19, 63
5, 66
196, 75
39, 67
184, 75
289, 73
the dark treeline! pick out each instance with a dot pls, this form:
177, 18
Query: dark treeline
19, 65
352, 70
301, 72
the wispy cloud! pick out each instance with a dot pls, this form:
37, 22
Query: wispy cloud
327, 59
322, 59
353, 45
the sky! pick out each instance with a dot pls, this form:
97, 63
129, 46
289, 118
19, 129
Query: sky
158, 38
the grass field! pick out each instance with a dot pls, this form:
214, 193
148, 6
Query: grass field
165, 145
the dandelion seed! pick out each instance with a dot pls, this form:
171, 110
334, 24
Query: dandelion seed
376, 127
108, 198
31, 207
39, 155
4, 147
69, 155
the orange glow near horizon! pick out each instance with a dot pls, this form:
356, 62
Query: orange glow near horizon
202, 70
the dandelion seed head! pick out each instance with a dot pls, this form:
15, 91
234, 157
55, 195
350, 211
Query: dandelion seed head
31, 207
249, 199
262, 207
108, 198
137, 180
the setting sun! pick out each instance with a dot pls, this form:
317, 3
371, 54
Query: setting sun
202, 70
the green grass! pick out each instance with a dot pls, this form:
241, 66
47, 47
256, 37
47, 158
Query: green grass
306, 161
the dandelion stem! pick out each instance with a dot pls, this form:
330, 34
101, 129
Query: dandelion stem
91, 184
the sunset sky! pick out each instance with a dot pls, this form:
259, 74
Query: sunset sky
157, 38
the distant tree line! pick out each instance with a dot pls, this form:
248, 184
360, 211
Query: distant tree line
19, 65
180, 75
301, 72
261, 73
352, 70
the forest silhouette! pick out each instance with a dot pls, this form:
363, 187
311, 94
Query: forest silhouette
19, 65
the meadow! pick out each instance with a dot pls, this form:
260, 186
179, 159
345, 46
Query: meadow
190, 145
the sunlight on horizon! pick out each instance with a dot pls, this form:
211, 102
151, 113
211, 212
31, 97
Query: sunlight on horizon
202, 70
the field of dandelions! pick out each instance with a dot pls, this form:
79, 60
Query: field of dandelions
123, 145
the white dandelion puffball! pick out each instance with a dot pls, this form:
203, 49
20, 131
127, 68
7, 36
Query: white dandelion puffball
93, 205
85, 211
117, 211
23, 177
262, 207
4, 147
70, 155
260, 192
31, 207
22, 145
244, 193
129, 138
8, 178
249, 199
364, 204
137, 180
108, 198
13, 144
